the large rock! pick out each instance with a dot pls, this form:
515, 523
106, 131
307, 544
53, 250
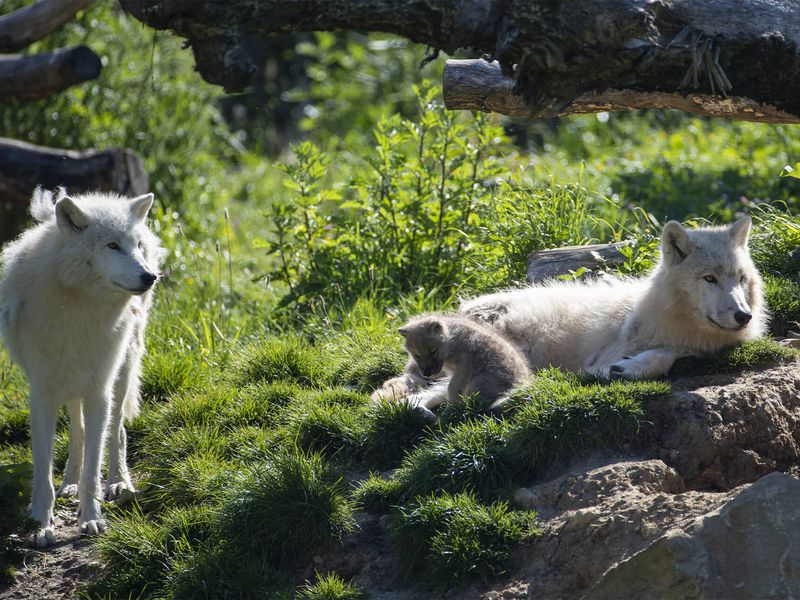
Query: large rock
748, 548
722, 431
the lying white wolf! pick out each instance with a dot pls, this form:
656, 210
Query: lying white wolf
704, 295
74, 299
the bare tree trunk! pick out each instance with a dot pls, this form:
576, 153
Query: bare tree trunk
40, 75
24, 166
22, 27
556, 51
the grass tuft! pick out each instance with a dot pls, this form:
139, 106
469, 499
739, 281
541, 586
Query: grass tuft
750, 355
329, 587
376, 494
453, 538
560, 416
280, 359
284, 509
390, 429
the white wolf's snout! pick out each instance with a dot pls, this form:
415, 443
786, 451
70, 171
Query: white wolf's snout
731, 309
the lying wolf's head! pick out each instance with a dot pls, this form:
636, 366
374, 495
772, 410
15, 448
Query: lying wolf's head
426, 342
105, 242
712, 278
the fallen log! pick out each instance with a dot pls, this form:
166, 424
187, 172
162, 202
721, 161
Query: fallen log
19, 29
555, 51
24, 166
548, 264
481, 85
41, 75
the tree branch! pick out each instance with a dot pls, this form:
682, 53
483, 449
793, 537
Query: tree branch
24, 166
40, 75
556, 51
19, 29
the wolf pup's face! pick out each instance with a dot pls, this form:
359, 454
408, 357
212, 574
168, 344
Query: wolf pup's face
425, 342
105, 243
714, 273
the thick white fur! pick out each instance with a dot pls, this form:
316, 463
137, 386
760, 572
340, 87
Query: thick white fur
632, 328
72, 313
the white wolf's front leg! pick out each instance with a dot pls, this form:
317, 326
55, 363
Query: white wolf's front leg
95, 411
127, 383
650, 363
43, 414
72, 472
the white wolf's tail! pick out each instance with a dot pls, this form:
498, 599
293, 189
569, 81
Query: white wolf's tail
43, 203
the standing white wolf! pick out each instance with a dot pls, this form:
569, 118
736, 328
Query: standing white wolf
74, 300
704, 295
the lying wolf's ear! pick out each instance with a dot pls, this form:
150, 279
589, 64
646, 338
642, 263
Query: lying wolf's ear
403, 331
435, 327
140, 206
675, 242
740, 230
69, 216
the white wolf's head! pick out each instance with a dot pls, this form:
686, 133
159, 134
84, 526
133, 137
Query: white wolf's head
105, 243
712, 278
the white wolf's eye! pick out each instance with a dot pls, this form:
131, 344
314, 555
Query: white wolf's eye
113, 245
743, 278
710, 279
140, 245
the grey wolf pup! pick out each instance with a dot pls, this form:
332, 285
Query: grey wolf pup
478, 359
704, 295
75, 294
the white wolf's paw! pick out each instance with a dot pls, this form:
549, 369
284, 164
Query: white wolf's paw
427, 414
68, 490
93, 527
44, 537
118, 489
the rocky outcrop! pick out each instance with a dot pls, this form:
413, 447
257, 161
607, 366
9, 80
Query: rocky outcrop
748, 548
722, 431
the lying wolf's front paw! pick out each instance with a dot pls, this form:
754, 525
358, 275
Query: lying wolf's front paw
115, 490
68, 490
93, 527
44, 538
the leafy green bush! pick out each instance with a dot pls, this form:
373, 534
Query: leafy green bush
450, 539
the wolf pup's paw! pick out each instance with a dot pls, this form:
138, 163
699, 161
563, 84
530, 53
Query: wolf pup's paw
93, 527
68, 490
115, 490
44, 537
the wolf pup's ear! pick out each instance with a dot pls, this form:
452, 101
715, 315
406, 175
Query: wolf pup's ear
140, 206
740, 230
675, 244
69, 217
403, 331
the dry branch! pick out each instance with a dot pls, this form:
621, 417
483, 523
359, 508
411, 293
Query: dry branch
481, 85
556, 51
24, 166
40, 75
19, 29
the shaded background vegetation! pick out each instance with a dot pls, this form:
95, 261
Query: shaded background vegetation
304, 221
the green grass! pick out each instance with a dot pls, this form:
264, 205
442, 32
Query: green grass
454, 538
329, 587
748, 356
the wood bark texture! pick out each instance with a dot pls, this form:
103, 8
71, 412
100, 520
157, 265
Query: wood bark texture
547, 264
19, 29
556, 51
24, 166
40, 75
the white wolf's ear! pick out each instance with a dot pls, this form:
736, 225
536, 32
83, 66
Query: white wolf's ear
403, 331
69, 216
675, 244
740, 230
140, 206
